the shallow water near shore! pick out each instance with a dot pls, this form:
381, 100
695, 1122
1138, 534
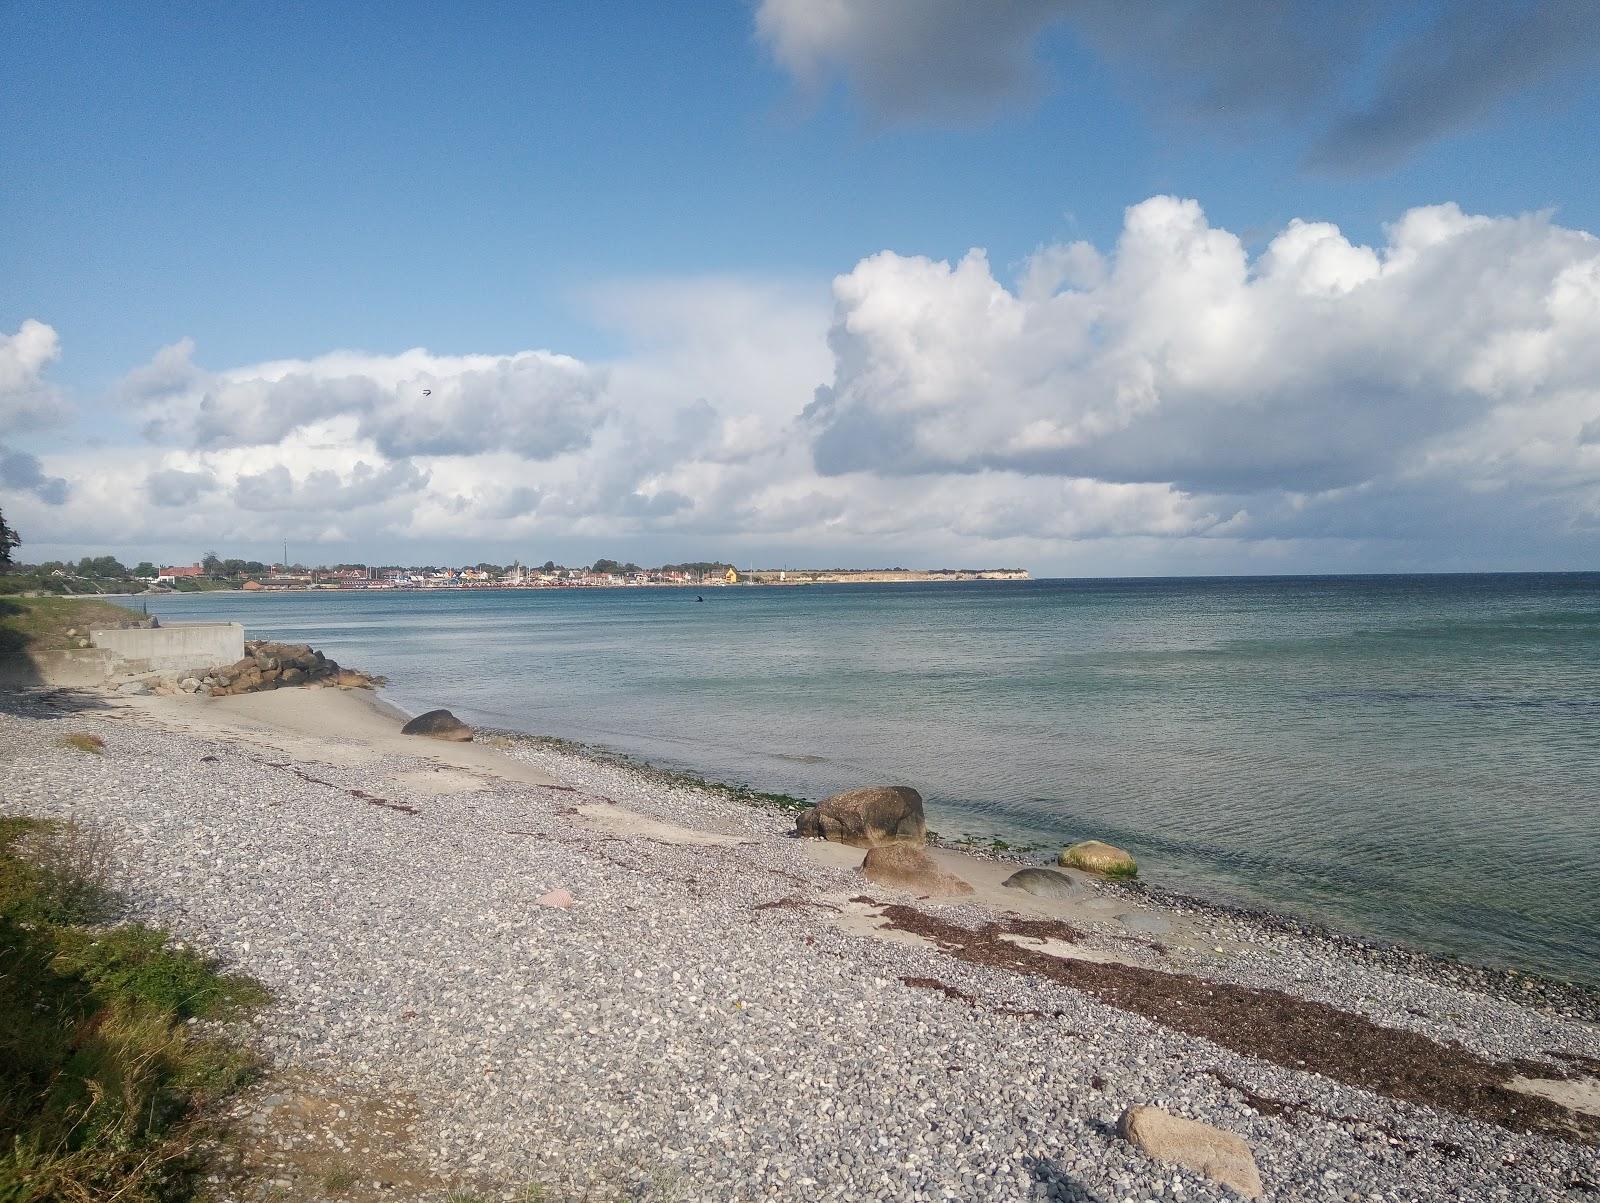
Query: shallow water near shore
1414, 758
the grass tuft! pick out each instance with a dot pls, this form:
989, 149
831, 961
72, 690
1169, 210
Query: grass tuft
339, 1179
83, 741
105, 1088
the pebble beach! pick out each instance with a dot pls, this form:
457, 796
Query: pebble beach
506, 970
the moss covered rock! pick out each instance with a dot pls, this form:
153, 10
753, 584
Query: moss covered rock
1097, 857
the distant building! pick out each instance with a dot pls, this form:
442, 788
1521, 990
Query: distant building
731, 576
172, 574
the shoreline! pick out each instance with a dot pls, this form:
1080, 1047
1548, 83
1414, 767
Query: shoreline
1510, 982
387, 890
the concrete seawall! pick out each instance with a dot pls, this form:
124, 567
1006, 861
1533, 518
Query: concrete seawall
176, 647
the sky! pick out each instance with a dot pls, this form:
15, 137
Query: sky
1089, 287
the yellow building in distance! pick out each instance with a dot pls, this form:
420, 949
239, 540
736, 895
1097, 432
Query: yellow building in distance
731, 576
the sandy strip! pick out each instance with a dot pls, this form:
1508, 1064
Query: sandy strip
332, 726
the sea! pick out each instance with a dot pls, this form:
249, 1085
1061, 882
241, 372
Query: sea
1407, 758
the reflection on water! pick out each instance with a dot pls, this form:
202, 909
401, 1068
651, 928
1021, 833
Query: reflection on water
1415, 757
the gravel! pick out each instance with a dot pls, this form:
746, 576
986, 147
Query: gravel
664, 1039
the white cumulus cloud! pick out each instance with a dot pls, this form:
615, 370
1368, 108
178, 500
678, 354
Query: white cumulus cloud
414, 403
27, 400
1179, 359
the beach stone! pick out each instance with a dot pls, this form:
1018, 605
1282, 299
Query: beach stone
133, 689
348, 678
438, 724
1097, 857
909, 867
1044, 883
292, 676
560, 898
875, 814
1221, 1156
1148, 922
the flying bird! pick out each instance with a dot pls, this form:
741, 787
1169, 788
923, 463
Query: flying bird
427, 392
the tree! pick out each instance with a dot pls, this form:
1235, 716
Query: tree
211, 562
102, 566
8, 540
146, 569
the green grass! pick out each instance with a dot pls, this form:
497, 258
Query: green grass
41, 624
105, 1087
202, 584
340, 1179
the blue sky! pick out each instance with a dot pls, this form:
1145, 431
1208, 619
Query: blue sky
281, 182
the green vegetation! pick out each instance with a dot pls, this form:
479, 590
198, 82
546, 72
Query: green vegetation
341, 1178
200, 584
40, 624
105, 1088
84, 742
8, 540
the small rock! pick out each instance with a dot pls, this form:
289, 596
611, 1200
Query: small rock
438, 724
1221, 1156
133, 689
559, 897
1147, 922
1044, 883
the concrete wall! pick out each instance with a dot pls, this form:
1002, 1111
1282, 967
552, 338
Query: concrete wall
176, 647
68, 669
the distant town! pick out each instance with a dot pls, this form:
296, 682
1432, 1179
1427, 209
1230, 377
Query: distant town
105, 574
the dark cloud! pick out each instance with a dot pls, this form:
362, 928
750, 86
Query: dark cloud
173, 486
21, 471
1454, 73
914, 59
323, 490
1302, 62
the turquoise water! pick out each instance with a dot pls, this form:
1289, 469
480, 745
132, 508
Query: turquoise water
1415, 758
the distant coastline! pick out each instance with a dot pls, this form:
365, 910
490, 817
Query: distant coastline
734, 578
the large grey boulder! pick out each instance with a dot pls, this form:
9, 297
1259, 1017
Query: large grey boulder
909, 867
439, 724
1045, 883
863, 818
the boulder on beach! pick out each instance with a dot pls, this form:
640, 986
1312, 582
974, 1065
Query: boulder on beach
438, 724
1044, 883
1096, 857
875, 814
909, 867
1220, 1156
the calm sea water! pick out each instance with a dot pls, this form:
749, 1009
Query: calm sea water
1416, 758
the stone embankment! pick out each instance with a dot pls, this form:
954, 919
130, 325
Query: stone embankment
265, 665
